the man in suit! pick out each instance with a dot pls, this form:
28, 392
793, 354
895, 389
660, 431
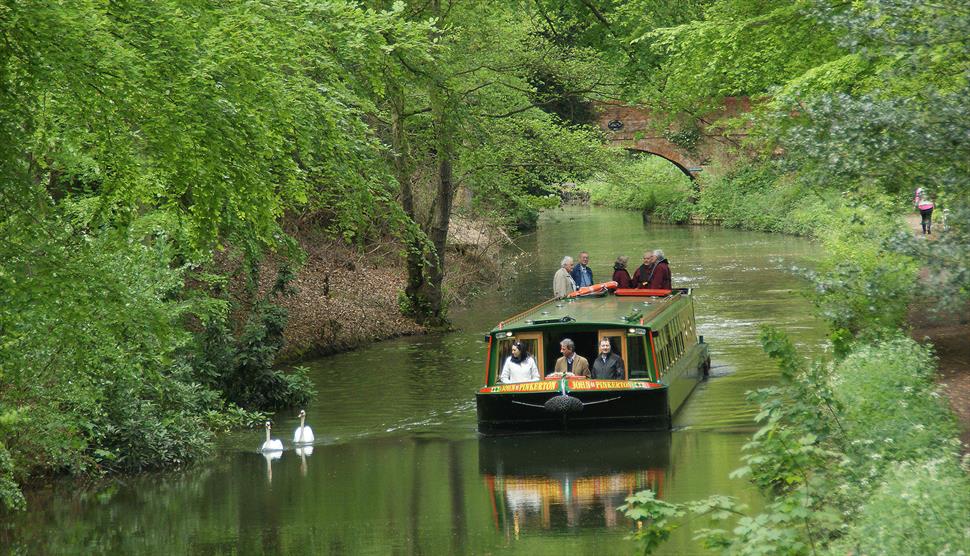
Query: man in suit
570, 363
607, 364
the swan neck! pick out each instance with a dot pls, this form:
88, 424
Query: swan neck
267, 434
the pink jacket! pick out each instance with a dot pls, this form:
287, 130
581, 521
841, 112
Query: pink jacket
922, 200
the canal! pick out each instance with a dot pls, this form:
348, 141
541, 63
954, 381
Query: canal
398, 467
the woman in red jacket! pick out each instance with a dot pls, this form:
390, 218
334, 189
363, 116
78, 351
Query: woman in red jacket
620, 274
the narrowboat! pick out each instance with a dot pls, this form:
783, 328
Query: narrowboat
653, 331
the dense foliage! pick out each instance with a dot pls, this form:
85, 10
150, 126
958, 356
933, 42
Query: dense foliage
137, 140
855, 457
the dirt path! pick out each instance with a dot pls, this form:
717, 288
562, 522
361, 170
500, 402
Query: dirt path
950, 334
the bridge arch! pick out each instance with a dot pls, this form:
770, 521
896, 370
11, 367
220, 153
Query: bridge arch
642, 129
682, 163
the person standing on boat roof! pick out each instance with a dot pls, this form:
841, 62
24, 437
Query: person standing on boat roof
563, 283
642, 276
581, 273
659, 278
570, 363
620, 274
520, 366
607, 364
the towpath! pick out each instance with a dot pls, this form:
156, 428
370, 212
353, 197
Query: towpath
950, 334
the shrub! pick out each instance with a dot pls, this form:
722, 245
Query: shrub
890, 402
649, 184
918, 508
758, 197
856, 457
96, 363
863, 288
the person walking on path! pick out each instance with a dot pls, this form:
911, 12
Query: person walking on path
620, 274
582, 274
562, 282
924, 205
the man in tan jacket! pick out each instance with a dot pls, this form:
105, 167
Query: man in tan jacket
571, 364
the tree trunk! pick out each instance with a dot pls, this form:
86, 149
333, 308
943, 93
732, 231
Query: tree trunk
426, 264
402, 172
441, 209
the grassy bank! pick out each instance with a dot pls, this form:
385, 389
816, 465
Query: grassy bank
752, 197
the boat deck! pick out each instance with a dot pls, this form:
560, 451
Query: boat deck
610, 310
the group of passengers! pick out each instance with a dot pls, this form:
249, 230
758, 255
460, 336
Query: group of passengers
654, 273
521, 366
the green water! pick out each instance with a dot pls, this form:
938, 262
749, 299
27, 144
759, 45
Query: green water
398, 468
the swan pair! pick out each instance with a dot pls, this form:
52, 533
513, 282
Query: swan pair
302, 435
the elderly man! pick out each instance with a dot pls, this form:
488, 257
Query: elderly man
607, 364
659, 278
570, 363
642, 275
562, 282
581, 273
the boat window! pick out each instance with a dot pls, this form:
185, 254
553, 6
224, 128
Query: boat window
636, 359
617, 344
586, 345
532, 341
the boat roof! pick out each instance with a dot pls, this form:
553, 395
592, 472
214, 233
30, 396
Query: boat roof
606, 311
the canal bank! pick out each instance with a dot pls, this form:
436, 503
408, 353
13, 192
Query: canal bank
343, 297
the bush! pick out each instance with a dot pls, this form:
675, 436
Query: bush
890, 402
919, 508
758, 197
243, 368
649, 184
863, 288
857, 457
97, 368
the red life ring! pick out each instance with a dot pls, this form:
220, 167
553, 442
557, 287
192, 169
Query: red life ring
595, 289
642, 292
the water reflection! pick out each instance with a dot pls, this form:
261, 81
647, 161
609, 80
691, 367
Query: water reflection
303, 452
270, 457
556, 482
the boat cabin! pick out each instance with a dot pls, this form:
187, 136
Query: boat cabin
649, 332
653, 331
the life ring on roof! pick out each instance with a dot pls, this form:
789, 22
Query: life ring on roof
595, 289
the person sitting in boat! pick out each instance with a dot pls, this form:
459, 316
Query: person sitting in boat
659, 278
620, 274
520, 366
563, 283
607, 364
570, 364
642, 275
581, 273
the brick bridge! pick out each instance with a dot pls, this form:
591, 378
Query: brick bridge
690, 146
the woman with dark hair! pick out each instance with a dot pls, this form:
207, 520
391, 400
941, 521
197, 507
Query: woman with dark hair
620, 274
520, 366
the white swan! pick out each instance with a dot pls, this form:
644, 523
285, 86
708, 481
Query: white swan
303, 434
271, 444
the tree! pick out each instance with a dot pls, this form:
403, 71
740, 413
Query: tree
476, 122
